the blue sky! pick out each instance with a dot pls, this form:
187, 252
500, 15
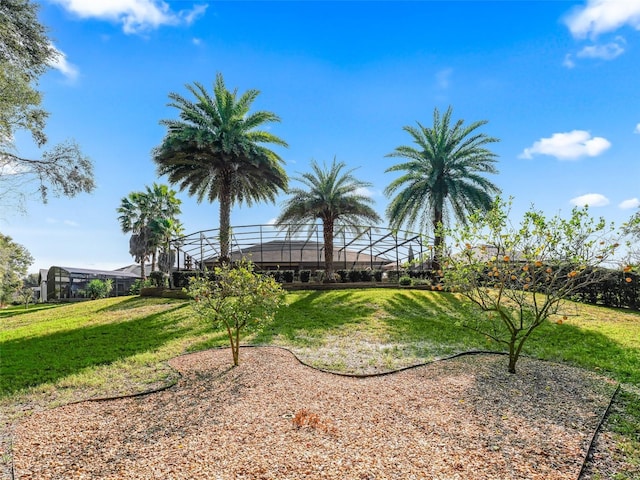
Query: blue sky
558, 82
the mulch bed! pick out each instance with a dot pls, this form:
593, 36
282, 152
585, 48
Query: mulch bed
274, 418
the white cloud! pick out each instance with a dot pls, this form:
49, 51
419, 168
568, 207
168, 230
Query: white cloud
591, 200
629, 203
443, 78
637, 130
135, 15
63, 66
272, 221
568, 146
601, 16
607, 51
364, 191
568, 61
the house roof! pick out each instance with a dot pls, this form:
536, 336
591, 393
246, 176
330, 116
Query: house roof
299, 251
87, 271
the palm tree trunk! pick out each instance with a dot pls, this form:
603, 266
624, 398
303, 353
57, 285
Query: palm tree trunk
225, 221
143, 274
438, 240
327, 228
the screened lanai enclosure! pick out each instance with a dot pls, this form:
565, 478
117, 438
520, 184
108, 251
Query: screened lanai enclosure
288, 248
68, 283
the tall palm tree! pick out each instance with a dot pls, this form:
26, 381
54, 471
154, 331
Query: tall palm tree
443, 174
215, 151
332, 197
143, 214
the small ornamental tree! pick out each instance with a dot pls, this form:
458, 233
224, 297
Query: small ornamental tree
518, 276
25, 294
237, 298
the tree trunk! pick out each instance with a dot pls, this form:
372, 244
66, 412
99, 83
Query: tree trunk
438, 240
514, 353
143, 274
327, 231
225, 221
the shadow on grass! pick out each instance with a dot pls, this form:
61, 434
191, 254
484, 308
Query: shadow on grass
32, 361
432, 318
136, 302
586, 349
20, 310
314, 315
306, 320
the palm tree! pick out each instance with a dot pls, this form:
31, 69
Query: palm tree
216, 152
332, 197
162, 208
143, 214
443, 174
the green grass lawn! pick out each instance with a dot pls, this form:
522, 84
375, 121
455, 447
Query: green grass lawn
50, 356
347, 330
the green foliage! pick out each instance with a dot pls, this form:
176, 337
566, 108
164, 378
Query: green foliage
140, 284
518, 276
442, 175
305, 275
216, 152
354, 275
96, 288
159, 279
14, 262
151, 218
26, 53
25, 294
288, 276
405, 280
238, 300
333, 197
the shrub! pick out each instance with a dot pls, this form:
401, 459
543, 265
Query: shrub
276, 275
366, 275
319, 276
99, 288
181, 278
354, 275
394, 275
377, 274
405, 280
159, 279
305, 275
138, 285
287, 276
343, 274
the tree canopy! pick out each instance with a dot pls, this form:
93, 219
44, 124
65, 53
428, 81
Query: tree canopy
443, 175
216, 151
332, 196
14, 262
25, 54
151, 218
